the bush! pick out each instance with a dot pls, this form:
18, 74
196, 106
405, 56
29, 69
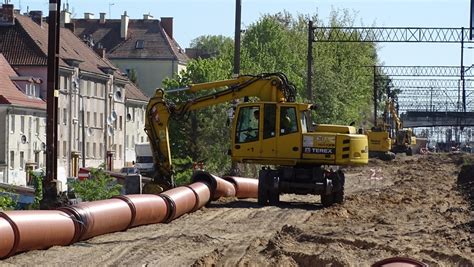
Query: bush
6, 201
38, 185
100, 186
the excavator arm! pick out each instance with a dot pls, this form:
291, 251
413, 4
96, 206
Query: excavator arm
272, 87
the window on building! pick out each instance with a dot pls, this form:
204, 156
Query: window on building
22, 124
62, 82
120, 152
133, 141
88, 150
12, 159
101, 151
37, 126
88, 118
120, 122
94, 150
30, 125
64, 149
140, 44
64, 116
143, 140
12, 124
37, 161
95, 119
126, 141
22, 160
90, 84
101, 120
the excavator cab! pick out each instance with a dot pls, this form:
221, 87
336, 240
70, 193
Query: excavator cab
265, 132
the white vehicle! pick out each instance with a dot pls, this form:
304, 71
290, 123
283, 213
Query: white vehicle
144, 159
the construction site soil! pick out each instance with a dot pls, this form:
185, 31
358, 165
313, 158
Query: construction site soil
419, 206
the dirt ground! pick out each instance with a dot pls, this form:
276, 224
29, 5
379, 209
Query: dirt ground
412, 207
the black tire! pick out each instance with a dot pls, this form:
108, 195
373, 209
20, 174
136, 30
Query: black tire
339, 195
262, 189
327, 200
274, 198
409, 152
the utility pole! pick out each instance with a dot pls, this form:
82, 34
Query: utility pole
238, 12
309, 89
50, 181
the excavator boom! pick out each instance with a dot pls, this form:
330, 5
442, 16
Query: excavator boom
272, 87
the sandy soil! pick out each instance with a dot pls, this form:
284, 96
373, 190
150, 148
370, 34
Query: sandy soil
409, 207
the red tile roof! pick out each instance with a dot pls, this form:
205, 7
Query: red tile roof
26, 44
10, 94
157, 44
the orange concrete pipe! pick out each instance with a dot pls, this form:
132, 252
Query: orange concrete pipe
101, 217
181, 200
39, 229
244, 187
202, 192
148, 208
7, 238
219, 187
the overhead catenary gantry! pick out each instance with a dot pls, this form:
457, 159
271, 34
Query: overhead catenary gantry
396, 35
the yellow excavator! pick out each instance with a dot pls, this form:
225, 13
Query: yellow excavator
274, 132
384, 142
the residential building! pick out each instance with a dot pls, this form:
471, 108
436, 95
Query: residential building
93, 95
22, 124
142, 47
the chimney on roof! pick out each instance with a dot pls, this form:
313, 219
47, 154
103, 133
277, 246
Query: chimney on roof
37, 16
7, 15
102, 18
70, 26
147, 17
167, 24
88, 15
65, 17
124, 26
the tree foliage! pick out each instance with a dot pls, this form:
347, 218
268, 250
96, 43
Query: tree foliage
100, 186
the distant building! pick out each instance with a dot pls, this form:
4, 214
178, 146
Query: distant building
23, 122
95, 98
144, 47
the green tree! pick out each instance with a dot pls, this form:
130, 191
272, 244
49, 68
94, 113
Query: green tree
100, 186
6, 200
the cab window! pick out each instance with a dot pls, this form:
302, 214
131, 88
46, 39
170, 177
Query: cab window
269, 120
248, 125
288, 120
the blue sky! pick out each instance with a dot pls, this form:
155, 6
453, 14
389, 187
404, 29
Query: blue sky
202, 17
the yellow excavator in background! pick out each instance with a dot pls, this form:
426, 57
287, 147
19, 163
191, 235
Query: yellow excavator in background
385, 141
273, 132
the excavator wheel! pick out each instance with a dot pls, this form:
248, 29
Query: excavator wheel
339, 194
409, 152
274, 191
262, 189
327, 200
